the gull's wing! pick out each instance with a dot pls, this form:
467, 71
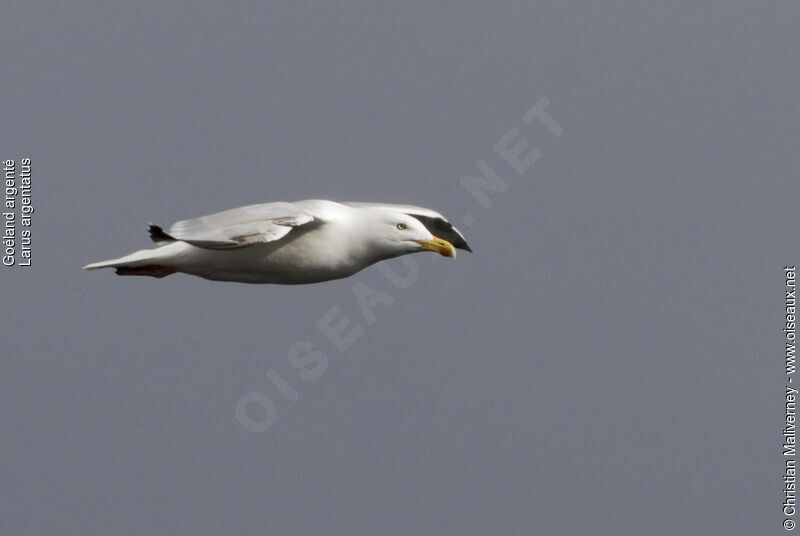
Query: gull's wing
238, 227
406, 209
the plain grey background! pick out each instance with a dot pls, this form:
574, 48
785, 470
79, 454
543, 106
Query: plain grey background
607, 362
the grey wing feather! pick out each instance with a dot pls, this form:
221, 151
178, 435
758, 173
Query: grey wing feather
408, 209
241, 227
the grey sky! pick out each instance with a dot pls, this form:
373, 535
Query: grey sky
607, 362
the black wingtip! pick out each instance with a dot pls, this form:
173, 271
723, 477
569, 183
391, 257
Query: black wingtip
443, 229
157, 234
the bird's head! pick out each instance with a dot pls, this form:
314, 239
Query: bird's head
398, 233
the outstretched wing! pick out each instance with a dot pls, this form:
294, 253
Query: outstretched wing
406, 209
238, 227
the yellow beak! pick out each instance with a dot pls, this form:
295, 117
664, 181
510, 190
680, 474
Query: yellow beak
440, 246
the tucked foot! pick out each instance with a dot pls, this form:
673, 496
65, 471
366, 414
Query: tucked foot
152, 270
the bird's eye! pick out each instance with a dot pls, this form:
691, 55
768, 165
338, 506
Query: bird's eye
401, 226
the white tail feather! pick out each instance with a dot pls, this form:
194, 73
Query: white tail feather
137, 258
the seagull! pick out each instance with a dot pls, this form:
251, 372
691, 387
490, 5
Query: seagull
290, 243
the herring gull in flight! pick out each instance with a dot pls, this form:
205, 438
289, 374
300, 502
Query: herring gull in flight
290, 243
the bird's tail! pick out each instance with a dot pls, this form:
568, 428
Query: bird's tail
142, 262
